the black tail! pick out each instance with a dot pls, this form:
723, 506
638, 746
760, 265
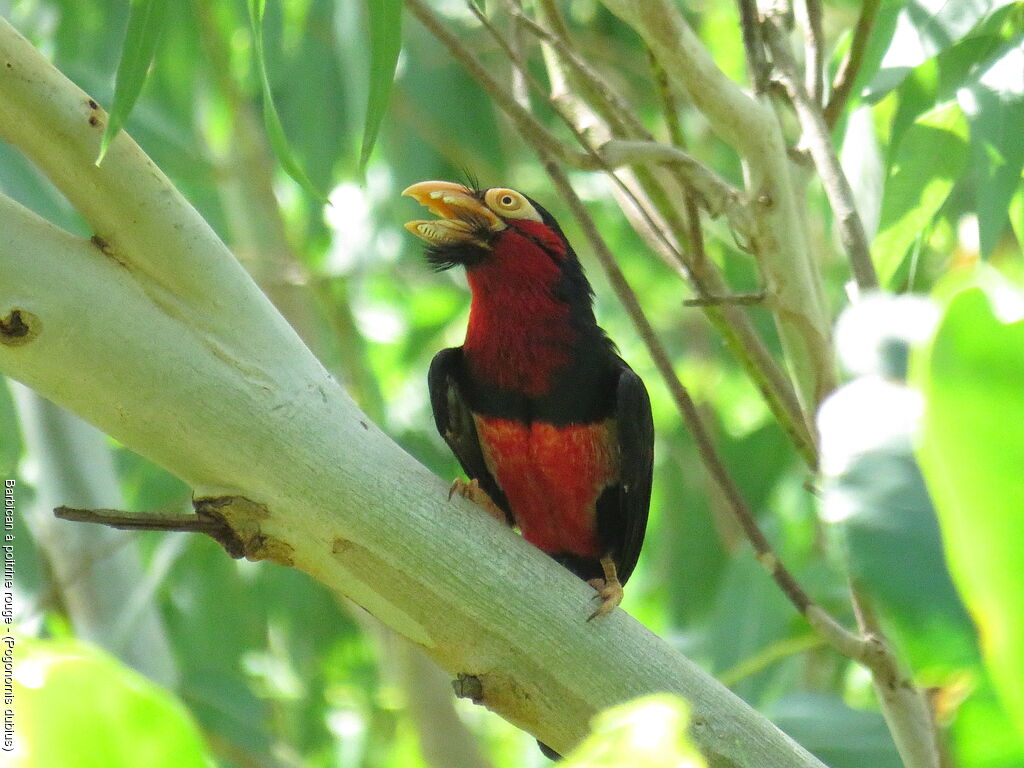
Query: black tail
549, 753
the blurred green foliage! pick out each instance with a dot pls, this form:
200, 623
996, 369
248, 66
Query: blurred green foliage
276, 672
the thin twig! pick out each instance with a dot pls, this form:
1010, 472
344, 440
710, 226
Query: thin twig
715, 194
670, 111
846, 76
204, 521
527, 124
819, 142
814, 46
757, 65
733, 298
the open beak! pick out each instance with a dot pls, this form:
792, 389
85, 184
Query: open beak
465, 220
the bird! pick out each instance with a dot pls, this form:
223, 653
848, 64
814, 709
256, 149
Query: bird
551, 426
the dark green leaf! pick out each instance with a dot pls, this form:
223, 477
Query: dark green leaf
145, 23
996, 116
385, 18
838, 736
271, 120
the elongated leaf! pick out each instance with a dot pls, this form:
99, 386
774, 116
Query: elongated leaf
972, 454
385, 17
928, 161
145, 23
271, 120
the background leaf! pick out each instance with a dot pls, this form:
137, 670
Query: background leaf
271, 120
145, 24
927, 163
124, 722
972, 453
385, 22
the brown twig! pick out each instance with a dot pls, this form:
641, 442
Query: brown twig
814, 46
846, 76
757, 65
733, 298
213, 525
527, 124
819, 142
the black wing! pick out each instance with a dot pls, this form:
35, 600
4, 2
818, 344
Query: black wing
455, 422
636, 445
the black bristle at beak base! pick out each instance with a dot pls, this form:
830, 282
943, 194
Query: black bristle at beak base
443, 257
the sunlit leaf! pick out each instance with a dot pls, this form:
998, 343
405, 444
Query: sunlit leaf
926, 28
271, 120
145, 23
78, 706
995, 110
972, 453
385, 21
646, 733
928, 162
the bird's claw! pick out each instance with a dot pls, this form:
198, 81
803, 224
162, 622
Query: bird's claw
609, 589
610, 595
471, 490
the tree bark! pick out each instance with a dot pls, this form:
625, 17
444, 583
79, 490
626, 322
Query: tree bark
153, 332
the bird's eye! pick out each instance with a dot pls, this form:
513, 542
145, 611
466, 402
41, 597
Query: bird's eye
509, 204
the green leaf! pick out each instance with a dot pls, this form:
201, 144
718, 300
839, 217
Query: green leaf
927, 28
995, 109
385, 17
10, 446
145, 23
649, 732
78, 706
838, 736
972, 454
927, 163
271, 120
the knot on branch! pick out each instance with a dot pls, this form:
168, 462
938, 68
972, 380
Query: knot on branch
239, 518
18, 327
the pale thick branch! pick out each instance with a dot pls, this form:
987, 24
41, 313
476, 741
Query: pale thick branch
324, 489
834, 181
791, 276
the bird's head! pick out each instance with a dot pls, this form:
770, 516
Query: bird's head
496, 227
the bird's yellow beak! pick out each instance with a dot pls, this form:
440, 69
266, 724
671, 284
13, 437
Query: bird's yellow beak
465, 220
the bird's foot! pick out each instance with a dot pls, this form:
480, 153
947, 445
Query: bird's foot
471, 490
609, 590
